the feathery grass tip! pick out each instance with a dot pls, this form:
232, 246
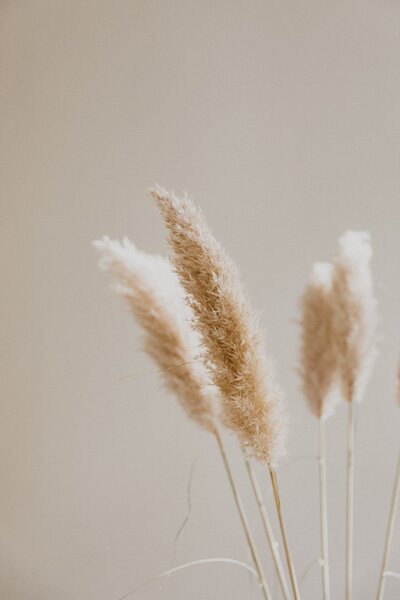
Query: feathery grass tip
251, 400
152, 292
354, 312
318, 352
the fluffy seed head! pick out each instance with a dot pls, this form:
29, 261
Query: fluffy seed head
251, 400
354, 312
153, 294
318, 353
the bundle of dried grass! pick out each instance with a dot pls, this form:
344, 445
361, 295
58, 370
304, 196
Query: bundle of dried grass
251, 400
337, 345
152, 292
154, 296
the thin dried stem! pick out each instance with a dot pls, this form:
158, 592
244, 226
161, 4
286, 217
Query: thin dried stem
289, 560
323, 508
245, 524
389, 532
273, 544
392, 574
350, 500
189, 565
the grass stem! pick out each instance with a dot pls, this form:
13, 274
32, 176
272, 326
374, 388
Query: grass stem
350, 501
267, 527
245, 524
389, 532
323, 508
289, 561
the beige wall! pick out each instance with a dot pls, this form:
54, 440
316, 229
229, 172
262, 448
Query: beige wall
283, 119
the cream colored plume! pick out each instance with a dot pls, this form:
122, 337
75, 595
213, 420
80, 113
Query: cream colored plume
318, 353
354, 312
154, 296
251, 400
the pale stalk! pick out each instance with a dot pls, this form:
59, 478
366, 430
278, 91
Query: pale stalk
289, 561
390, 531
245, 524
350, 501
323, 508
267, 526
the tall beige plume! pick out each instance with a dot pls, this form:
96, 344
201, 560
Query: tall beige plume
154, 296
354, 312
251, 400
318, 352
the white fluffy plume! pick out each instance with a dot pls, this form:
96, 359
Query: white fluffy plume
355, 312
318, 353
154, 296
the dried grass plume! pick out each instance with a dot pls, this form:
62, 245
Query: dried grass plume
354, 312
318, 352
251, 400
154, 296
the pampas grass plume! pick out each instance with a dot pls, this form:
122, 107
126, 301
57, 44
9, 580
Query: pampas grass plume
318, 352
251, 400
153, 294
354, 312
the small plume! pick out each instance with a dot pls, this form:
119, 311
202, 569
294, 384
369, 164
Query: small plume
318, 353
251, 401
354, 312
154, 296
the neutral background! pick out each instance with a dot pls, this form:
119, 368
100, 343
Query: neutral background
282, 118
